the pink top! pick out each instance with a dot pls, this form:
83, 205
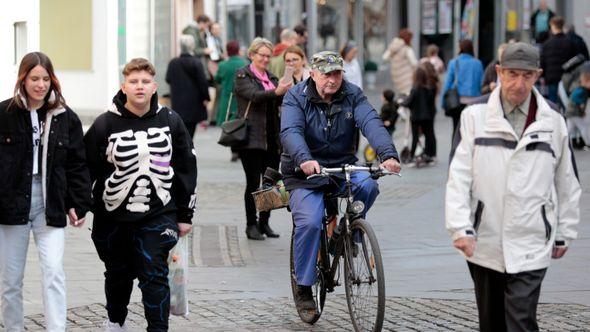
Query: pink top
263, 77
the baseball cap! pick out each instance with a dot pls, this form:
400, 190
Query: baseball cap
326, 61
520, 56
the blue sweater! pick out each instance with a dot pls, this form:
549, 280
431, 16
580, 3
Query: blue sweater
470, 76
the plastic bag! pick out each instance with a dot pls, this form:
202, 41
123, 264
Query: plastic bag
177, 277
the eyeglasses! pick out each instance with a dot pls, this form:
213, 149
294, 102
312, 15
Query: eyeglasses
266, 56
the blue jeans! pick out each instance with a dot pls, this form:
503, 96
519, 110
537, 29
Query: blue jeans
14, 243
307, 209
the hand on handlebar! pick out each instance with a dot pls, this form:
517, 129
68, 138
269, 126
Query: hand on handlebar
391, 165
310, 167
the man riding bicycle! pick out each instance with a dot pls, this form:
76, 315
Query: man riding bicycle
319, 122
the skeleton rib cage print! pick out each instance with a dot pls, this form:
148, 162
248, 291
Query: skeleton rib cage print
141, 159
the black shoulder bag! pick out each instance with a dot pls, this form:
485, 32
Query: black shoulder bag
234, 133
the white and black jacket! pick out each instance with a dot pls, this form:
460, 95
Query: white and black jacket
65, 178
519, 196
141, 167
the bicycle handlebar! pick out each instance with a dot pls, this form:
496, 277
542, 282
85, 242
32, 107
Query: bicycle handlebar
375, 171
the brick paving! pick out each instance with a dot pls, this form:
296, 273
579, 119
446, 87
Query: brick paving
278, 314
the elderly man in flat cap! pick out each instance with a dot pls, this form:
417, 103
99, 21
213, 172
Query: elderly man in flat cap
320, 120
512, 199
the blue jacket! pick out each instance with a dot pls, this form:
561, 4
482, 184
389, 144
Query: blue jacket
312, 129
470, 76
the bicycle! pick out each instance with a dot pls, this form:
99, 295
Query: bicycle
358, 246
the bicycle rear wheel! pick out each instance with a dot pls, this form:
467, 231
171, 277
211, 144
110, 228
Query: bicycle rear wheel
318, 289
363, 278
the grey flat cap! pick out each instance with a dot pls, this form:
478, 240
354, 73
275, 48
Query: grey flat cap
520, 56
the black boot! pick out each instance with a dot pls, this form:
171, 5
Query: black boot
253, 234
304, 300
264, 228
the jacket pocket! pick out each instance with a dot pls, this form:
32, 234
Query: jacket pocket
547, 224
478, 213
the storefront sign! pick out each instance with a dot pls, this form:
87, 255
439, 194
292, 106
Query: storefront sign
429, 17
445, 16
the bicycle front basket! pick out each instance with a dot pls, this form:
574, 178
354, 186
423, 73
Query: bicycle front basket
270, 199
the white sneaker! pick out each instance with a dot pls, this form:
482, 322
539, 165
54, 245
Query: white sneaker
114, 327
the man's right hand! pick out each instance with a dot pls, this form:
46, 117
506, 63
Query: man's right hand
466, 244
310, 167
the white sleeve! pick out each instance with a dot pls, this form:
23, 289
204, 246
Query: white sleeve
458, 193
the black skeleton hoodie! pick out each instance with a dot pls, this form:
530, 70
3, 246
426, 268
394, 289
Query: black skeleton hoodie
141, 167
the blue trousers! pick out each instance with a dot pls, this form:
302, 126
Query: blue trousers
307, 209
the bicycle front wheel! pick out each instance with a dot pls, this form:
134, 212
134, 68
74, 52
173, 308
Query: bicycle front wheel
364, 278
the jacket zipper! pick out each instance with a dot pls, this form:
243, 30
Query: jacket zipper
547, 224
478, 213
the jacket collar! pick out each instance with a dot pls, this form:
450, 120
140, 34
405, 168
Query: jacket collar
58, 110
496, 122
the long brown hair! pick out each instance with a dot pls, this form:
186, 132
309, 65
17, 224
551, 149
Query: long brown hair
421, 78
30, 61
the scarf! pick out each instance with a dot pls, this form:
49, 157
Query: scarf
263, 77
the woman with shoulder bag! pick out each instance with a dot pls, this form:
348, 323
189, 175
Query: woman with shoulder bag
259, 95
43, 178
465, 74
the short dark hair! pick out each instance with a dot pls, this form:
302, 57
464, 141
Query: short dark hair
233, 47
388, 95
300, 29
557, 21
203, 19
466, 47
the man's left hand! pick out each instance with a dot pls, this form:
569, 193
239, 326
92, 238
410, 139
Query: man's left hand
558, 252
391, 165
183, 228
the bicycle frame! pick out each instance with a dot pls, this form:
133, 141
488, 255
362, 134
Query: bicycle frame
330, 268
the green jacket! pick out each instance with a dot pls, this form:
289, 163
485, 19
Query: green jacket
225, 77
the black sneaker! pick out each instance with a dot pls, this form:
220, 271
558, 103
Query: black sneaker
305, 298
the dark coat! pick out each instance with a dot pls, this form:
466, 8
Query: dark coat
188, 88
541, 36
263, 116
62, 164
312, 129
421, 103
556, 51
580, 44
490, 75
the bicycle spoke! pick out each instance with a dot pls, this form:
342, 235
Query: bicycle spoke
362, 282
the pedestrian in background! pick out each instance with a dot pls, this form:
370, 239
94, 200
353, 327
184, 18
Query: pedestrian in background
556, 51
301, 31
259, 94
432, 57
352, 68
469, 73
43, 178
189, 92
144, 170
490, 77
295, 58
581, 47
225, 79
199, 30
403, 62
540, 22
512, 197
421, 103
277, 62
389, 110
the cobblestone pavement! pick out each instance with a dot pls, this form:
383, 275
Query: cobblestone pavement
278, 314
